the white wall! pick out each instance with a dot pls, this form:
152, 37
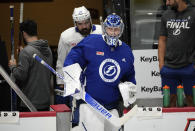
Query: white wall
31, 124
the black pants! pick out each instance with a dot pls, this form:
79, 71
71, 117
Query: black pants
5, 97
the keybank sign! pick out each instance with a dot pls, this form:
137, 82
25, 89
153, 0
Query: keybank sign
151, 90
155, 73
148, 59
147, 73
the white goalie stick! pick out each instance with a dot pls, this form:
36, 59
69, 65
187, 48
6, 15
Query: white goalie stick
21, 12
116, 121
101, 22
20, 21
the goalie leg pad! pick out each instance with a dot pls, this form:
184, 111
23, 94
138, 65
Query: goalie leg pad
89, 119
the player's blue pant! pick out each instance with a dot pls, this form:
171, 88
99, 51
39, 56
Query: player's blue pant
181, 76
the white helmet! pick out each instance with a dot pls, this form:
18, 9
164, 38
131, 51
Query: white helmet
80, 14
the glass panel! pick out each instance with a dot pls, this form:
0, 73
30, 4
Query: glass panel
145, 23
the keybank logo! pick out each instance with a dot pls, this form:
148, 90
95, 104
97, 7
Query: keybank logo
151, 90
148, 59
155, 73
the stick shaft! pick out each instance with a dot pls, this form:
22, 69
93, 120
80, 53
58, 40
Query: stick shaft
20, 21
21, 12
12, 30
48, 66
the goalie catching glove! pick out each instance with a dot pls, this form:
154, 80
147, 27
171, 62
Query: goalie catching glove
72, 80
128, 91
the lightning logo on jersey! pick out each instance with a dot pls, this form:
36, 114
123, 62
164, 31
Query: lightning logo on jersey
109, 70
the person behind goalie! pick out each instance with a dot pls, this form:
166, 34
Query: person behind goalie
107, 65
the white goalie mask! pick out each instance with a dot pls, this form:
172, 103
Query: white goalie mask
81, 14
112, 21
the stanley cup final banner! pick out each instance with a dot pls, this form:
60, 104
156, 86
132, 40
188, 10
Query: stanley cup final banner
147, 74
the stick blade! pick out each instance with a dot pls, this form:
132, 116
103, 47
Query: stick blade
129, 115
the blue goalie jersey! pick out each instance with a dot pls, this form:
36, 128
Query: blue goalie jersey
104, 67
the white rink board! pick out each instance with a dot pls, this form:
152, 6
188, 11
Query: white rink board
31, 124
168, 122
147, 74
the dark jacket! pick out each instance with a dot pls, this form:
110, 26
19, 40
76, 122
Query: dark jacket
5, 101
34, 77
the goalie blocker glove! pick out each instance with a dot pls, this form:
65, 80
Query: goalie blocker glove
128, 92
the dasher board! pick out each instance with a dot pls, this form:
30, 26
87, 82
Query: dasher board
173, 119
